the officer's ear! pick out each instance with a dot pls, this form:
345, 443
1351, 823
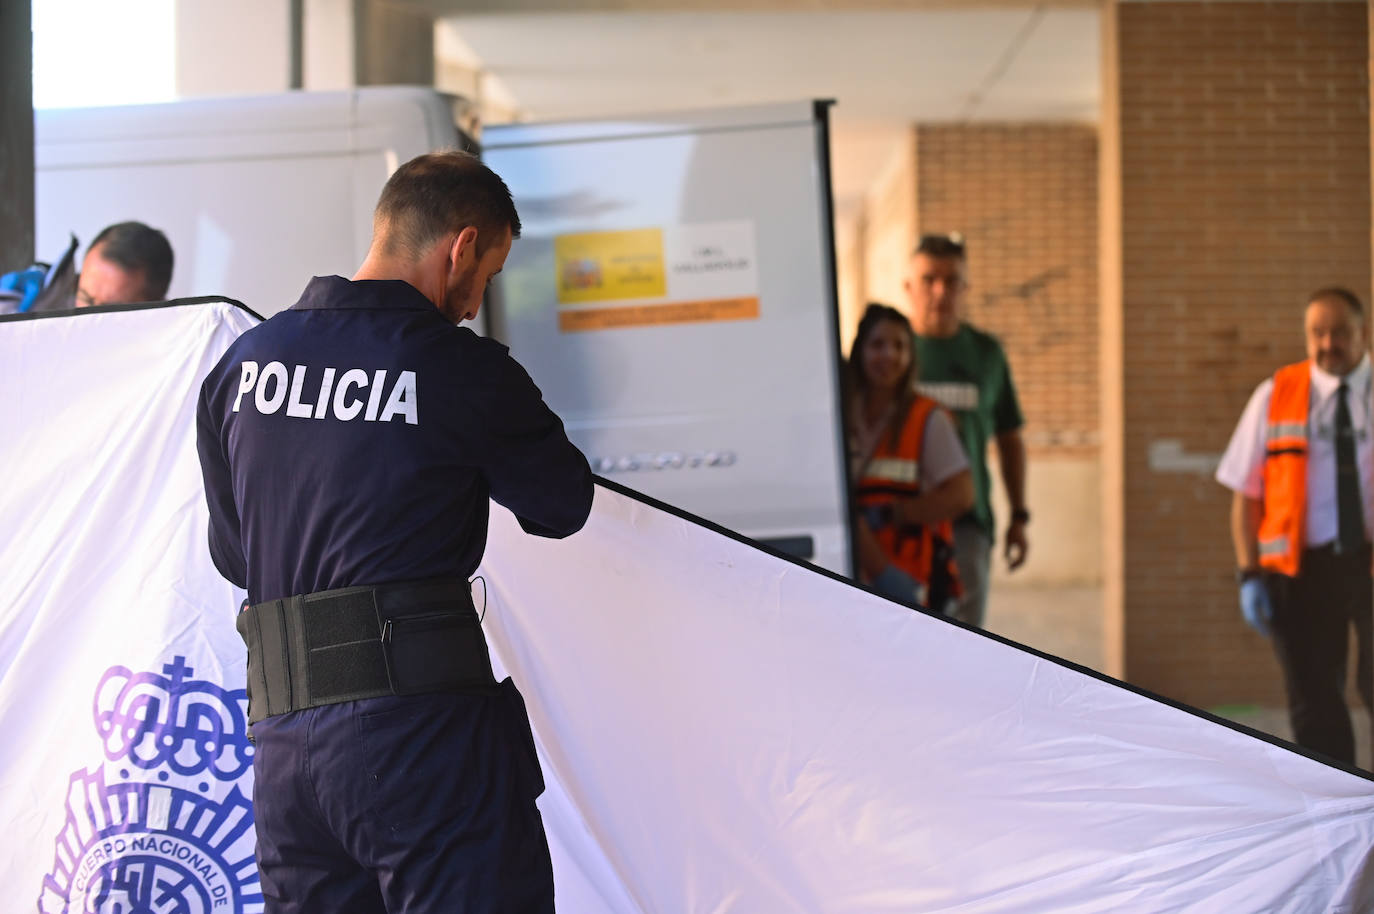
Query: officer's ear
464, 247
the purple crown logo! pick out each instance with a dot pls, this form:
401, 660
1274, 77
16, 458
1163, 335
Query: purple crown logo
163, 823
190, 726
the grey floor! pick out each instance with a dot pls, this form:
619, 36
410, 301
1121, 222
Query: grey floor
1067, 622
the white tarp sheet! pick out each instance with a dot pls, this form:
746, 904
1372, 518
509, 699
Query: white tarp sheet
721, 730
124, 758
726, 731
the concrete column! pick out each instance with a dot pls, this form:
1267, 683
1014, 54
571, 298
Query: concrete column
1369, 23
1110, 397
328, 46
351, 43
393, 44
238, 48
851, 234
482, 98
265, 46
890, 211
16, 136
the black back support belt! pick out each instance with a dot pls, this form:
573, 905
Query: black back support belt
362, 642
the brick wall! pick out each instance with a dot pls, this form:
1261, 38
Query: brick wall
1025, 198
1245, 163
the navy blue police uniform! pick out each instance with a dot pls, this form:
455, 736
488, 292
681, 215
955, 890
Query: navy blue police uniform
350, 441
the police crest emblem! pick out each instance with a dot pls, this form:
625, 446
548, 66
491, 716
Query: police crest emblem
163, 825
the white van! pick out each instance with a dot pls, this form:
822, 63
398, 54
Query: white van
673, 293
256, 194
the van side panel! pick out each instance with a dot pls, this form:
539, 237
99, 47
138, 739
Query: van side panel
255, 194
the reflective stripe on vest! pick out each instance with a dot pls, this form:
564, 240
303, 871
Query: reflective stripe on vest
895, 469
1285, 470
1280, 430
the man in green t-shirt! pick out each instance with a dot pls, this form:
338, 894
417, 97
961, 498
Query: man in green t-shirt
966, 370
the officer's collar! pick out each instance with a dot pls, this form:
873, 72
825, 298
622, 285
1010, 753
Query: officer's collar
336, 293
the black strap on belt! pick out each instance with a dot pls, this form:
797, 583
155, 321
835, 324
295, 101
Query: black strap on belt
362, 642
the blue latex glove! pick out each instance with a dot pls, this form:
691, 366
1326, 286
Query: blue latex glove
28, 283
877, 516
1255, 605
895, 584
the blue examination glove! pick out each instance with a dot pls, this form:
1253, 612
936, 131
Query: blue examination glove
895, 584
877, 516
1255, 605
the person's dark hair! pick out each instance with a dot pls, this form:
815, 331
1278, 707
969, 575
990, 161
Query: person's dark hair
440, 193
1337, 294
138, 248
857, 383
951, 245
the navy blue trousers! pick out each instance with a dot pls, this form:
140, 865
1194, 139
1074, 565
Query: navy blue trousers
402, 805
1313, 615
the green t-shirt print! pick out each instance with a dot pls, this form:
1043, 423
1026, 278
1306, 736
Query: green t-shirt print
968, 374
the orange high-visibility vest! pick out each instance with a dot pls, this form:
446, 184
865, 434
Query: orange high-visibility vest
1281, 529
925, 551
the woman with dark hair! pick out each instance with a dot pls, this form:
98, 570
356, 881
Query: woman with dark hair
909, 472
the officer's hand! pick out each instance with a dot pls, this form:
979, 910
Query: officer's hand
1255, 605
895, 584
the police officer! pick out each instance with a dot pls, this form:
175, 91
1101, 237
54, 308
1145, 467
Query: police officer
349, 446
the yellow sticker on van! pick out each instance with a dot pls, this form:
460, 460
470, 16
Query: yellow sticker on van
610, 266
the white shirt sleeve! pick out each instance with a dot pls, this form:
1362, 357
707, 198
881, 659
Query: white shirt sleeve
942, 454
1242, 466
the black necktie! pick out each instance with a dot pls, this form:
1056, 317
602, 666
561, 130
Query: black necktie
1348, 506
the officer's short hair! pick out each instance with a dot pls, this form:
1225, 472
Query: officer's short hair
138, 248
441, 193
1338, 295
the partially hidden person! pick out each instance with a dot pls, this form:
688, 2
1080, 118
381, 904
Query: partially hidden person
909, 473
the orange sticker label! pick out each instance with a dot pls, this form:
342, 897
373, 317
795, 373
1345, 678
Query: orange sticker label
678, 312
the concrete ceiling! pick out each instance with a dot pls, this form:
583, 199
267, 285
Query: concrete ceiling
885, 69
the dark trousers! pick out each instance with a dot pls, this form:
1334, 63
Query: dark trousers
1313, 614
413, 805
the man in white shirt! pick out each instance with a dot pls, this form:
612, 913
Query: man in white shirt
1301, 465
